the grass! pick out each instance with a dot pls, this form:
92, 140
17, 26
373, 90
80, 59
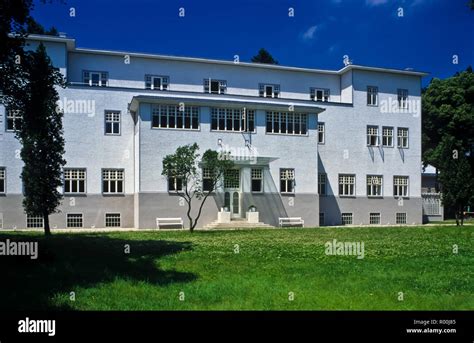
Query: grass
204, 266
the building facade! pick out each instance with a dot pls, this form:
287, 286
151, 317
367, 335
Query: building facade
330, 147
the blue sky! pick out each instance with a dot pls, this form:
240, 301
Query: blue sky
319, 34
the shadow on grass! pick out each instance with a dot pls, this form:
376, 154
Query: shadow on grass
66, 262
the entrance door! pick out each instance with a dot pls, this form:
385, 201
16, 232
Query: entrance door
232, 192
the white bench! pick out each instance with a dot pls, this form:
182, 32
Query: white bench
291, 221
169, 222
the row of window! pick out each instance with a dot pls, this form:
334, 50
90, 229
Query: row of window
113, 182
373, 97
214, 86
74, 220
374, 218
373, 136
346, 185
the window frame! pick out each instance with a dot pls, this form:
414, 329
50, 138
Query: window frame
402, 98
262, 90
370, 136
113, 213
347, 214
221, 86
372, 94
34, 218
241, 116
299, 120
288, 181
343, 194
401, 138
77, 180
116, 181
397, 217
164, 82
3, 180
387, 136
321, 133
113, 114
377, 215
103, 76
175, 179
325, 94
252, 179
166, 111
13, 117
372, 186
74, 213
397, 186
322, 185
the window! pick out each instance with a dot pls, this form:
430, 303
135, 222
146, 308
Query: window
13, 120
95, 78
321, 219
400, 218
400, 186
402, 98
402, 138
1, 220
257, 180
112, 181
268, 90
112, 123
374, 218
2, 180
287, 180
232, 178
387, 137
232, 119
207, 180
286, 123
174, 117
74, 220
346, 185
322, 179
155, 82
34, 222
319, 94
346, 218
74, 181
374, 185
321, 135
215, 86
112, 220
175, 183
372, 136
372, 96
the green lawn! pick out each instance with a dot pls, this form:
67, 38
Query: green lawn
418, 261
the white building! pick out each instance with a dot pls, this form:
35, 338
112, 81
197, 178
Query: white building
331, 147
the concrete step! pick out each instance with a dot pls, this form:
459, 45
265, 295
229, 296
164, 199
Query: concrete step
236, 224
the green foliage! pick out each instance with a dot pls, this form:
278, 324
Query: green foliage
186, 164
264, 56
40, 132
448, 124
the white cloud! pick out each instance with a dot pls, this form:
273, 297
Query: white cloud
309, 33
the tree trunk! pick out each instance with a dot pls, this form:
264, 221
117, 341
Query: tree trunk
47, 230
456, 215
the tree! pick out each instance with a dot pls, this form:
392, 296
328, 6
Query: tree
448, 123
33, 27
456, 177
185, 166
40, 133
264, 56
